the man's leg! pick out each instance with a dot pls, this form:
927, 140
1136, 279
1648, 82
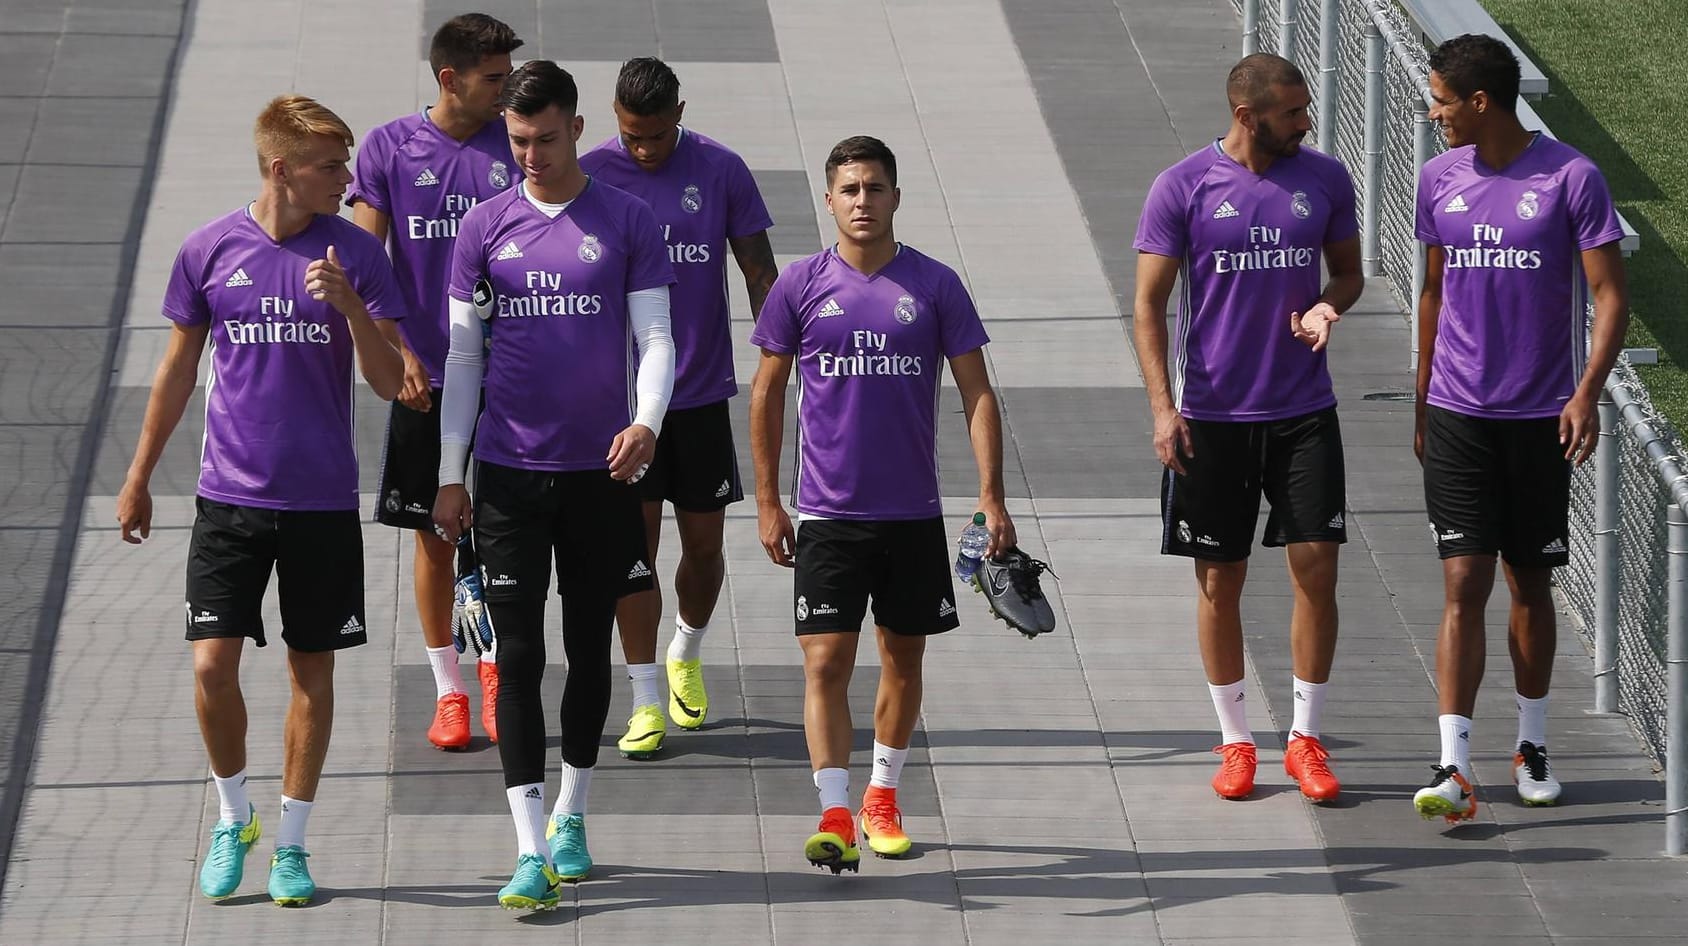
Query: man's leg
221, 708
310, 721
1460, 657
697, 588
828, 661
895, 711
1219, 630
637, 616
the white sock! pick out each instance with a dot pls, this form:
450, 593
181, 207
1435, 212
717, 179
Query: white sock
232, 804
687, 641
1230, 702
1309, 707
887, 765
1532, 720
834, 788
295, 814
1456, 741
647, 688
527, 807
571, 797
446, 678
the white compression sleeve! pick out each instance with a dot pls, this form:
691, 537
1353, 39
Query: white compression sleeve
461, 397
647, 313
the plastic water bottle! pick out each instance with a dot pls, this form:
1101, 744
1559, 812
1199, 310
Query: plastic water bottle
971, 548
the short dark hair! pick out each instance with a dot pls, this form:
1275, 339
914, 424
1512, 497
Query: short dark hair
860, 148
647, 86
462, 42
1252, 78
538, 84
1474, 63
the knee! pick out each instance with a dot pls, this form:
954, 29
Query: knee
1315, 575
704, 553
828, 668
313, 674
1221, 584
216, 668
1468, 581
438, 552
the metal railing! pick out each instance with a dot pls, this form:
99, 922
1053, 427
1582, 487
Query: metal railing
1627, 581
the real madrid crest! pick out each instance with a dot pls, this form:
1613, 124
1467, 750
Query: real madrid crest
905, 310
1300, 205
802, 608
590, 249
499, 174
1527, 206
691, 201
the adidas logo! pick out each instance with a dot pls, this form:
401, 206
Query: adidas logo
352, 626
830, 309
1456, 206
1553, 548
945, 608
239, 279
725, 489
1239, 698
533, 792
427, 178
1335, 522
1301, 696
1225, 211
639, 570
510, 251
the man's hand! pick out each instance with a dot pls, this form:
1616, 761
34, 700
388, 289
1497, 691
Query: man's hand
1312, 328
631, 452
1172, 440
134, 511
416, 393
326, 282
454, 514
1001, 527
1579, 428
779, 540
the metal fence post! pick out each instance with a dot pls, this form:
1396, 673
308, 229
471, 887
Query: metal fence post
1370, 246
1251, 27
1422, 130
1330, 54
1286, 29
1676, 684
1608, 563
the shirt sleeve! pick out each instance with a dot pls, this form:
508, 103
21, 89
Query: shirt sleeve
647, 255
184, 294
1594, 221
746, 211
1344, 223
1425, 222
959, 327
779, 329
1162, 228
468, 256
369, 174
373, 279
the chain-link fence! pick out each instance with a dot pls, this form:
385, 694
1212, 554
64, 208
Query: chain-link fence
1627, 579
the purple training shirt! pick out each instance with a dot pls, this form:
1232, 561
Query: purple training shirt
1510, 339
869, 351
702, 195
1251, 246
278, 405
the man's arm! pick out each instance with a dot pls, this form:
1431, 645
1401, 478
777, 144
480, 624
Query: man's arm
984, 429
1347, 281
172, 386
767, 429
755, 257
1579, 423
416, 393
1155, 277
1429, 314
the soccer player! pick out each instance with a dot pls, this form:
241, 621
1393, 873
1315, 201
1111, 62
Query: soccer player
578, 274
1247, 405
416, 176
1514, 226
287, 292
706, 202
869, 324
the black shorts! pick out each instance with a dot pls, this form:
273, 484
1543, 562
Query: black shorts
903, 565
410, 467
592, 527
696, 465
318, 561
1209, 512
1497, 486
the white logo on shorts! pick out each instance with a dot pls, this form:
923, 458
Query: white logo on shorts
945, 608
1556, 547
1335, 522
725, 489
639, 570
1184, 534
351, 627
502, 581
802, 608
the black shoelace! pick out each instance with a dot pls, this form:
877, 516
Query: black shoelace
1443, 773
1535, 760
1023, 572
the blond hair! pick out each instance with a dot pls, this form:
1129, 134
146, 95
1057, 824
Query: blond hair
286, 125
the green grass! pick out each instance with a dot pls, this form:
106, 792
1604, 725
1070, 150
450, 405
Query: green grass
1618, 70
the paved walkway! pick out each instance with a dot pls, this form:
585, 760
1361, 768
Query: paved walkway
1058, 788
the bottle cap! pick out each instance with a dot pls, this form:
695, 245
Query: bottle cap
978, 518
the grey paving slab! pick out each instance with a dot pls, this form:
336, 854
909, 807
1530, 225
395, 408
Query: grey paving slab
59, 204
32, 56
791, 202
59, 286
83, 131
111, 65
